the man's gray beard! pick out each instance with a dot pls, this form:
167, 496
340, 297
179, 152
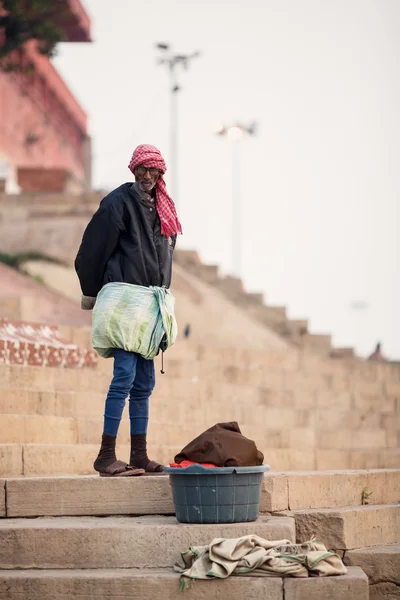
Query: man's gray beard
142, 191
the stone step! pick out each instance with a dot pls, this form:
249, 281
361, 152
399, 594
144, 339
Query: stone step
316, 341
265, 387
88, 496
367, 376
348, 438
98, 380
305, 427
52, 380
306, 390
93, 495
388, 458
38, 429
229, 400
181, 432
352, 586
350, 527
302, 432
302, 490
117, 542
43, 460
382, 566
163, 584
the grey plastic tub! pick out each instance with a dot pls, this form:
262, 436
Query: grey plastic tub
216, 495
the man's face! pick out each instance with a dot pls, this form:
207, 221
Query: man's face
146, 178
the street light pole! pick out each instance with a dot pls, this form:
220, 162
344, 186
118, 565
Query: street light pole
174, 135
236, 209
236, 134
172, 61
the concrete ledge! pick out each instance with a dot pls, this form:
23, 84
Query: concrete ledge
117, 542
130, 583
350, 527
381, 563
352, 586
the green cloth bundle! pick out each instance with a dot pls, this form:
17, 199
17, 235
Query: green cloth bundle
134, 318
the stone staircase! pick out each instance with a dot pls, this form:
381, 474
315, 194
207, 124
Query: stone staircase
303, 411
64, 535
99, 538
275, 318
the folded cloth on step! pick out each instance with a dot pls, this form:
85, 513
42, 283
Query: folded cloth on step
188, 463
134, 318
253, 555
223, 445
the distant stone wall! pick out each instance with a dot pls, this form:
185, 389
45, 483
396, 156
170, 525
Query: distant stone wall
49, 223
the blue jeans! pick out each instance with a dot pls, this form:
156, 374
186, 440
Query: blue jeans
133, 377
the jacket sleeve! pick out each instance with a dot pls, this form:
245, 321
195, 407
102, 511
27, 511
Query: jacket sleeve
98, 244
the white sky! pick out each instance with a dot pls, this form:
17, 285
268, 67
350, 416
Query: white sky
320, 182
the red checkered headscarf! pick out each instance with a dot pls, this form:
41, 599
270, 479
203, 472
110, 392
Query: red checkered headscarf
151, 158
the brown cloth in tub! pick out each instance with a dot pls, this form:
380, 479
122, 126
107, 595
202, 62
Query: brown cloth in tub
224, 446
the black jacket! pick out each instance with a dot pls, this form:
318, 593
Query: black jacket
123, 243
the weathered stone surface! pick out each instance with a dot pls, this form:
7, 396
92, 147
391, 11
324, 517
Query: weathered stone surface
333, 459
350, 439
327, 399
59, 459
333, 417
274, 494
375, 402
39, 429
92, 495
44, 460
388, 458
27, 402
11, 460
30, 378
285, 459
302, 438
77, 459
332, 489
381, 563
63, 496
384, 591
116, 542
350, 527
2, 497
92, 584
352, 586
87, 380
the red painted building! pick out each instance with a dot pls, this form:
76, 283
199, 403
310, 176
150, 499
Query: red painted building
44, 144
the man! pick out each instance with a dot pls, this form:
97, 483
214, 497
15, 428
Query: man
130, 240
377, 354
